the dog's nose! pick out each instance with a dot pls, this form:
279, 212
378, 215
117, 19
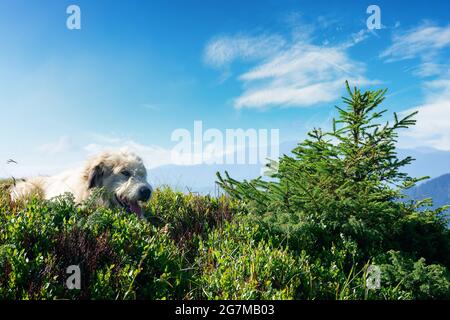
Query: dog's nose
144, 193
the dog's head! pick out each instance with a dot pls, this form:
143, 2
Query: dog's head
124, 177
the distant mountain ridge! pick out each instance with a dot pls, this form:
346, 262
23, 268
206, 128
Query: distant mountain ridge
438, 189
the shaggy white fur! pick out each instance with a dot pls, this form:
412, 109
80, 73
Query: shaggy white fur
121, 173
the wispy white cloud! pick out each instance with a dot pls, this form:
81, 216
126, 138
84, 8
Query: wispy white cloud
292, 94
425, 42
429, 69
422, 41
357, 37
288, 73
301, 61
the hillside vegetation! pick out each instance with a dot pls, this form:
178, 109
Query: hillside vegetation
330, 213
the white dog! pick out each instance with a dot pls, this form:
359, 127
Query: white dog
121, 173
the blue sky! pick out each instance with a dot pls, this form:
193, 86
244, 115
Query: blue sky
138, 70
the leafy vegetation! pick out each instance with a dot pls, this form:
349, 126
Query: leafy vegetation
330, 212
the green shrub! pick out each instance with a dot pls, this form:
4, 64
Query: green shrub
405, 278
120, 256
188, 216
234, 263
235, 266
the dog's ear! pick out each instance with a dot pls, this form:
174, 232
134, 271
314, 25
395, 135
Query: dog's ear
95, 178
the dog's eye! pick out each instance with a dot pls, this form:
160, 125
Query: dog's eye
126, 173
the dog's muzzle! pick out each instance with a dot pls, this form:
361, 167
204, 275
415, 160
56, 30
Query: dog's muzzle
144, 193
